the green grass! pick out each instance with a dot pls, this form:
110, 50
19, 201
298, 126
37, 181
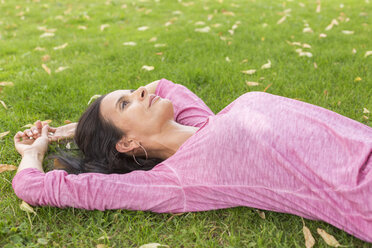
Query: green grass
99, 63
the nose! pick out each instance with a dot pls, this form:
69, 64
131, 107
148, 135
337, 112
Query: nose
141, 93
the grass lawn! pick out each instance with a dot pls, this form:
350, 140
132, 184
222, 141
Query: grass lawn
239, 35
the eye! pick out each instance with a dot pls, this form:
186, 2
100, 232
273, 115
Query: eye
123, 103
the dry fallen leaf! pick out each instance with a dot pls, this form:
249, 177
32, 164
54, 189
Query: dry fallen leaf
228, 13
329, 239
365, 117
61, 68
354, 51
249, 72
101, 246
227, 59
330, 26
267, 65
315, 65
129, 43
252, 83
357, 79
281, 20
44, 35
309, 239
368, 53
261, 214
3, 103
199, 23
82, 27
306, 45
104, 26
6, 84
27, 208
307, 54
153, 39
3, 134
317, 6
93, 98
45, 58
160, 45
347, 32
153, 245
46, 68
203, 30
39, 49
142, 28
7, 167
322, 35
307, 30
148, 67
61, 46
365, 111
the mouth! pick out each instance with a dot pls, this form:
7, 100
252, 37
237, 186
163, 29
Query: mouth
152, 99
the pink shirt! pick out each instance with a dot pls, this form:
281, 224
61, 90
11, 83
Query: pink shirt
262, 150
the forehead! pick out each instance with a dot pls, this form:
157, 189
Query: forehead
109, 101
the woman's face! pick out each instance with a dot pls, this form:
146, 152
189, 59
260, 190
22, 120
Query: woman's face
131, 112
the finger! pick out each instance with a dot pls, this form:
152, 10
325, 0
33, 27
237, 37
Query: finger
44, 132
52, 129
28, 132
18, 137
35, 131
38, 124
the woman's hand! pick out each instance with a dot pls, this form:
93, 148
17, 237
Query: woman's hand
55, 134
23, 143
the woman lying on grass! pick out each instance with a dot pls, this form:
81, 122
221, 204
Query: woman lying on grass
262, 151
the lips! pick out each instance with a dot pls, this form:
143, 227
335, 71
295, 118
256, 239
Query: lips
152, 99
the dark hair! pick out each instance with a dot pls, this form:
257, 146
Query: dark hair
96, 139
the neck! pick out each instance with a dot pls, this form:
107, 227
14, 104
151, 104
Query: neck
172, 136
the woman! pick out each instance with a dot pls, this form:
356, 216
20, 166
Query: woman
262, 151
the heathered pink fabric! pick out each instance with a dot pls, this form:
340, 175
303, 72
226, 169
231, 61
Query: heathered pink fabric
263, 151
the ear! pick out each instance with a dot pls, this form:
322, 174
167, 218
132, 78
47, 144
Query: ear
123, 145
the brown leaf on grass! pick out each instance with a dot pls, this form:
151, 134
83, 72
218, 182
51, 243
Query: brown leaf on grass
252, 83
61, 46
46, 68
93, 98
354, 51
267, 65
261, 214
82, 27
7, 167
4, 134
3, 103
67, 122
228, 59
130, 43
315, 66
365, 117
39, 49
104, 26
45, 35
142, 28
6, 84
307, 30
227, 13
309, 239
317, 6
148, 67
322, 35
281, 20
357, 79
365, 111
203, 30
329, 239
27, 208
61, 68
152, 245
249, 72
267, 87
46, 30
153, 39
368, 53
330, 26
347, 32
45, 58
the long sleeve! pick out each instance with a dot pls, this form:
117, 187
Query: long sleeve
189, 109
157, 190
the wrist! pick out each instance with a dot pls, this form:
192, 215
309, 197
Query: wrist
32, 153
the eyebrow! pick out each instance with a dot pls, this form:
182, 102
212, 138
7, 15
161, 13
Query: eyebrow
122, 98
